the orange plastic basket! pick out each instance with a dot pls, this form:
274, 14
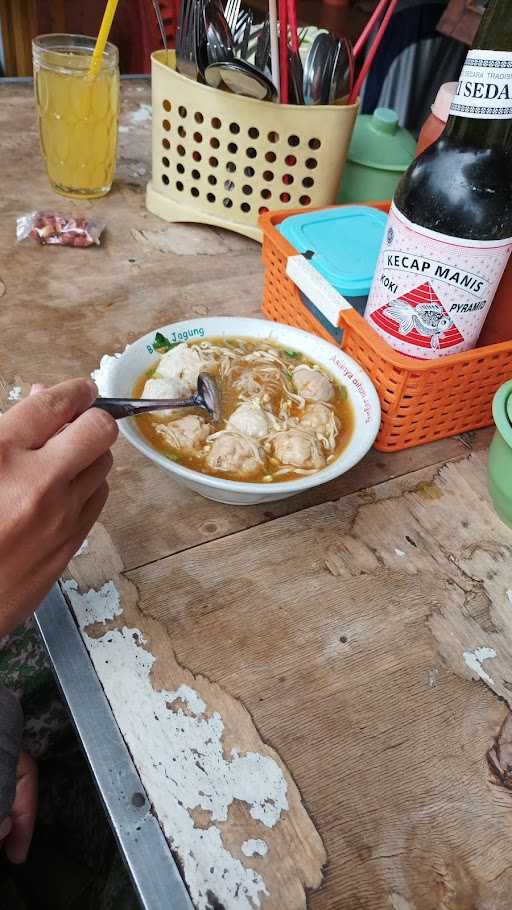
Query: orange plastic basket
421, 400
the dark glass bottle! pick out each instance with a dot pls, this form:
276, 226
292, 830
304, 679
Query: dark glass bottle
467, 173
459, 189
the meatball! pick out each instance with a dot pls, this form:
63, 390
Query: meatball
233, 454
298, 448
165, 388
188, 433
312, 384
183, 363
321, 420
250, 419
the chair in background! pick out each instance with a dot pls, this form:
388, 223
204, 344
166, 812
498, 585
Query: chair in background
461, 19
141, 35
135, 30
170, 11
18, 24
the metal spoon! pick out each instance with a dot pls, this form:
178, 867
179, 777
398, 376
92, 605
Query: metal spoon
342, 71
262, 51
295, 77
325, 67
242, 47
242, 78
314, 70
206, 397
220, 44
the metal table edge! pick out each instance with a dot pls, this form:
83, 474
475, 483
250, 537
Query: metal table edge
154, 872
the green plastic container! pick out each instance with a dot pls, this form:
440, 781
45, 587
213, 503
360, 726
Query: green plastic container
380, 152
500, 454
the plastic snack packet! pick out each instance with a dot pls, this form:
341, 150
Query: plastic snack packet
50, 227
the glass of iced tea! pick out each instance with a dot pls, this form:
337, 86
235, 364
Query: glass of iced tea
78, 113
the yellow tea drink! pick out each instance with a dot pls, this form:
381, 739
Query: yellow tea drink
78, 114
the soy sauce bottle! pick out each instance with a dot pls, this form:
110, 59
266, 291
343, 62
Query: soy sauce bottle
449, 233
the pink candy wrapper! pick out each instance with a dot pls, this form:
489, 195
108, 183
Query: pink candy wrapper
49, 227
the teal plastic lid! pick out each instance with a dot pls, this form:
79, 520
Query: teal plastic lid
345, 243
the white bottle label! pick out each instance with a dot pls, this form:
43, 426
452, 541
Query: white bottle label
431, 292
484, 91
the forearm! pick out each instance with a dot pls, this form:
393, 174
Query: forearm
11, 728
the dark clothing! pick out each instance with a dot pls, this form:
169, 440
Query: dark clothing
11, 731
73, 863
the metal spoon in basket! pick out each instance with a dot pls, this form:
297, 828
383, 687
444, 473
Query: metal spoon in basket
206, 397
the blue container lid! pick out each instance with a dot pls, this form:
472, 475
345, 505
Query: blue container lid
345, 242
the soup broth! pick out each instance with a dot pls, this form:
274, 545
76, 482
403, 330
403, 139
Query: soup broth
282, 415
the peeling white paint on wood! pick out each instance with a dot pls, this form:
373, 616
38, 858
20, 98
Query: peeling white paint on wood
473, 659
83, 549
254, 846
179, 751
94, 606
141, 115
399, 553
433, 676
15, 393
400, 903
190, 697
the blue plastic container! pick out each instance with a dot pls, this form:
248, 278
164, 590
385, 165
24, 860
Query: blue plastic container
343, 245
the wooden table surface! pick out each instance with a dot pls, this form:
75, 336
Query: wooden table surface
309, 689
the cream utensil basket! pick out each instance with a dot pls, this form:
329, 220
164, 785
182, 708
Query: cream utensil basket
223, 159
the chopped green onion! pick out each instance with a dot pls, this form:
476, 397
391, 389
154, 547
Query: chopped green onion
291, 353
171, 456
150, 374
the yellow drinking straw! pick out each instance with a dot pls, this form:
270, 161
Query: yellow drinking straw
102, 38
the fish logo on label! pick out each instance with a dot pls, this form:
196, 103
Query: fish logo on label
419, 318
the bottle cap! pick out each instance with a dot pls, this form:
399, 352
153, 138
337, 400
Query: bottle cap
379, 142
385, 120
442, 104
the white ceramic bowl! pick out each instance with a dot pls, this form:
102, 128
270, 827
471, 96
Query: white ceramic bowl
117, 376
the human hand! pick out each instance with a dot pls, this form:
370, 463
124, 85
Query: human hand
17, 829
54, 461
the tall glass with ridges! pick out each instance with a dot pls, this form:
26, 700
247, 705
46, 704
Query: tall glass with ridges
78, 114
